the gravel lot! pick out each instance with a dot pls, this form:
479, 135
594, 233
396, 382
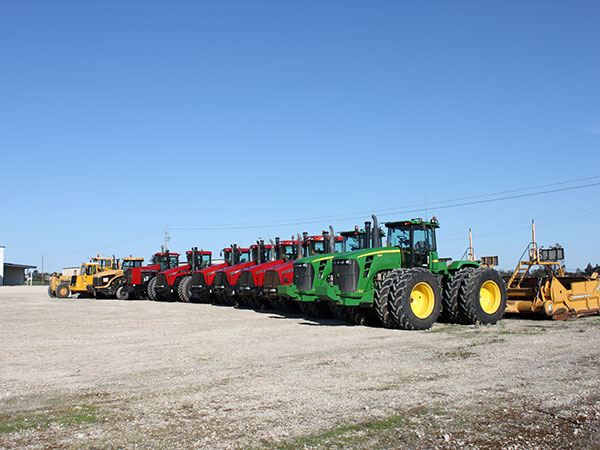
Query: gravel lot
84, 373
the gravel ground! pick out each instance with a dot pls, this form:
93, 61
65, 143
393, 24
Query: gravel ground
84, 373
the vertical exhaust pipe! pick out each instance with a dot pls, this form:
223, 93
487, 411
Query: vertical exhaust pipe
367, 234
376, 232
276, 251
300, 246
234, 254
331, 240
194, 259
326, 243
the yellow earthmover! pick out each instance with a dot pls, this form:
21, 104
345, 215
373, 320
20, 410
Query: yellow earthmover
552, 294
63, 286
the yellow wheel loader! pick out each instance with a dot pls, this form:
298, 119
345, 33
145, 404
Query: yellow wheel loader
553, 294
62, 286
110, 283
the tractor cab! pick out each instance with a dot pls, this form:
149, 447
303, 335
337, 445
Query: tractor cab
416, 240
131, 263
320, 245
87, 269
166, 260
198, 259
286, 250
235, 255
105, 263
261, 252
353, 240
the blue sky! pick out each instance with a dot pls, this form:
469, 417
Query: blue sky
118, 119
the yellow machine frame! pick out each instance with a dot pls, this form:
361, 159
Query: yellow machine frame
555, 295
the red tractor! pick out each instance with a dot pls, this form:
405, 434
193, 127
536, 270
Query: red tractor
224, 281
166, 283
284, 273
197, 286
138, 279
249, 285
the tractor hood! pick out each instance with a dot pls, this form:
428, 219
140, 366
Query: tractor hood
265, 266
210, 269
360, 254
174, 270
150, 268
280, 268
108, 273
317, 258
237, 267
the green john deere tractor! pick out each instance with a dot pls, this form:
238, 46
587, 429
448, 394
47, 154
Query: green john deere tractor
406, 283
314, 271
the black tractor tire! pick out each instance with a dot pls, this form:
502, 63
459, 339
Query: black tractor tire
152, 295
63, 291
450, 297
483, 296
315, 309
97, 295
367, 317
183, 290
121, 294
341, 312
50, 293
288, 306
405, 302
381, 299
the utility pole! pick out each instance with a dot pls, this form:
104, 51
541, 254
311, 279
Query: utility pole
471, 255
42, 269
167, 239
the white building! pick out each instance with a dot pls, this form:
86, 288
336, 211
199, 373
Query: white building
12, 274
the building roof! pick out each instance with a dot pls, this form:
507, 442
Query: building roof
19, 266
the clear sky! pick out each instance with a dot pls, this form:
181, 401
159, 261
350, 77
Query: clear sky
121, 118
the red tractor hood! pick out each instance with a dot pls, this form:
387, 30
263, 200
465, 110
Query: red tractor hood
237, 267
210, 269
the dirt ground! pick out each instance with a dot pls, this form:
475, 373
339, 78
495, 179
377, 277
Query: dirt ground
84, 373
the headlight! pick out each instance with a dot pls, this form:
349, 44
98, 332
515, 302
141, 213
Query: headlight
303, 265
342, 261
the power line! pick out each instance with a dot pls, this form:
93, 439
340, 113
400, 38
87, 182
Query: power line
396, 212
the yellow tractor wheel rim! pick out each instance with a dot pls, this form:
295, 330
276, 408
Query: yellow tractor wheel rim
422, 300
490, 297
62, 290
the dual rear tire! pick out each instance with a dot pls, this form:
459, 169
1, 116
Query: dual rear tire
411, 299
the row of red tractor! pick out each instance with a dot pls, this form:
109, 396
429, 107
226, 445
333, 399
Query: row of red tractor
246, 277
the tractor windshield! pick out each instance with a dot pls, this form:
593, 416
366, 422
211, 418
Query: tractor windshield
288, 252
131, 264
203, 259
399, 237
167, 261
316, 248
82, 270
245, 257
339, 245
351, 243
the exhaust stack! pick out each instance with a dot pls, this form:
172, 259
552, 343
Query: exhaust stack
367, 234
331, 240
376, 233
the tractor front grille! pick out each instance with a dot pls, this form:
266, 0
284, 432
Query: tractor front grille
129, 276
245, 279
198, 279
304, 276
161, 279
345, 274
272, 279
220, 279
98, 281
